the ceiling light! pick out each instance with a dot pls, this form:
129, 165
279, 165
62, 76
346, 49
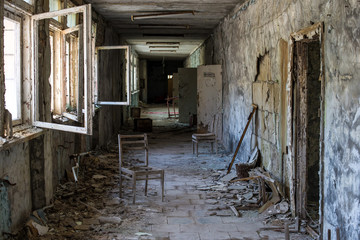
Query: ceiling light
162, 35
163, 46
163, 51
162, 43
160, 14
164, 26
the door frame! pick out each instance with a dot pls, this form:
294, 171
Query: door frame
312, 32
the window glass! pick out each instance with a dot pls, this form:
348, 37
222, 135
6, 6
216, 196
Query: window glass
12, 67
71, 20
54, 5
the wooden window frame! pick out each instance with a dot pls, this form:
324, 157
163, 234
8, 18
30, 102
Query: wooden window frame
96, 82
87, 65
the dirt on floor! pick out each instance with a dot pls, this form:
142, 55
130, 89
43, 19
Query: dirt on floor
197, 205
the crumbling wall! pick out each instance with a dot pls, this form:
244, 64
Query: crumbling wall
15, 167
259, 27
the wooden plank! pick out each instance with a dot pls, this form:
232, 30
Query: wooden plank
245, 179
132, 136
312, 232
242, 137
265, 206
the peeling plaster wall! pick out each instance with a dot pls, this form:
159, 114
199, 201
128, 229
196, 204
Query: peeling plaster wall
15, 166
257, 27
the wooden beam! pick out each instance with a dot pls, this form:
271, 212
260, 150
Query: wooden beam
242, 137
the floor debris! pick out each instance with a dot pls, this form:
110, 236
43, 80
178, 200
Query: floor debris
198, 205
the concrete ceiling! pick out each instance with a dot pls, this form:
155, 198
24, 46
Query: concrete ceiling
185, 31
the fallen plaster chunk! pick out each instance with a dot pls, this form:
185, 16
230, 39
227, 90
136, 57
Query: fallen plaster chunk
228, 177
211, 201
142, 234
114, 220
41, 230
2, 140
98, 177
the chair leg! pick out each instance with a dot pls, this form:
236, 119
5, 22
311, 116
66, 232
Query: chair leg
162, 185
146, 184
216, 147
120, 186
212, 147
134, 188
193, 147
197, 149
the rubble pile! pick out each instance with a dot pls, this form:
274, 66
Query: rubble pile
257, 194
88, 209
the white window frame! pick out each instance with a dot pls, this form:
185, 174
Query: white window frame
18, 69
87, 64
96, 82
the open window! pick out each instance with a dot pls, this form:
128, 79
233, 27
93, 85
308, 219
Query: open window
12, 66
70, 78
119, 78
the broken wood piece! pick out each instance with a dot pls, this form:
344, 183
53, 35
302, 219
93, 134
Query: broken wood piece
260, 174
287, 233
275, 228
91, 207
337, 234
244, 179
242, 137
265, 206
248, 207
312, 232
235, 211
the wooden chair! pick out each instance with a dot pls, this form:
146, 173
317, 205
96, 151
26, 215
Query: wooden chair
138, 172
206, 137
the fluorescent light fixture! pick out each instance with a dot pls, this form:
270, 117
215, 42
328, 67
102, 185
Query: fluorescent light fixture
163, 46
163, 35
160, 14
162, 43
163, 51
170, 26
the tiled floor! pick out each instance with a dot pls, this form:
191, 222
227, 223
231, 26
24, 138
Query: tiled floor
186, 212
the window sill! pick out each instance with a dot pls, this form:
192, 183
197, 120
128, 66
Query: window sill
22, 133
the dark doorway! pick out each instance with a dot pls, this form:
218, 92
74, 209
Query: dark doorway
158, 72
307, 121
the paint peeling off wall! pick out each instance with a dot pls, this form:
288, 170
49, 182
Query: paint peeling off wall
260, 27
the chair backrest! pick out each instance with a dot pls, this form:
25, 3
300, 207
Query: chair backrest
133, 142
215, 124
